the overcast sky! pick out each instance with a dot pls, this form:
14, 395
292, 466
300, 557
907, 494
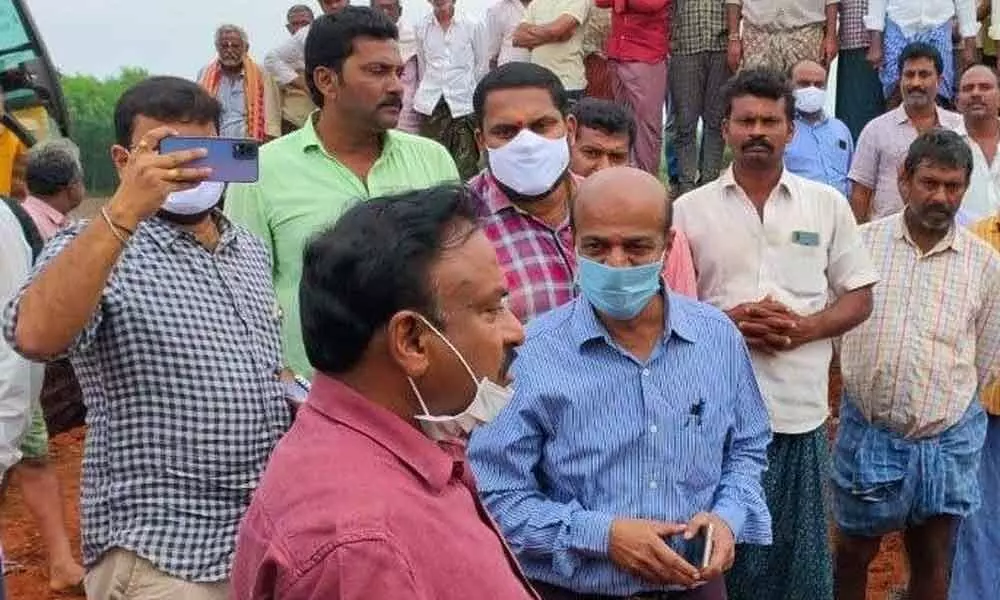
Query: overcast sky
170, 37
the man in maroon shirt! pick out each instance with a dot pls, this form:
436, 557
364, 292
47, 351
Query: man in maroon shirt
637, 54
368, 495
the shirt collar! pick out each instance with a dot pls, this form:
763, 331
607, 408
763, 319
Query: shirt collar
338, 402
165, 233
785, 183
309, 139
901, 118
43, 208
949, 241
496, 200
586, 326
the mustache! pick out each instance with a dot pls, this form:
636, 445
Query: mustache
758, 143
510, 354
393, 100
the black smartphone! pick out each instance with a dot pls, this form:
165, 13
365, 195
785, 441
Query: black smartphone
698, 550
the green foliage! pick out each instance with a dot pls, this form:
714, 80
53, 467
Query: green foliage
91, 103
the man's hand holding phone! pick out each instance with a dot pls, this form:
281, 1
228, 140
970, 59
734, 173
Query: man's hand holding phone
149, 177
719, 542
639, 547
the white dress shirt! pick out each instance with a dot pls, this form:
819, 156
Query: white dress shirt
501, 20
20, 380
451, 63
914, 16
982, 198
288, 60
804, 249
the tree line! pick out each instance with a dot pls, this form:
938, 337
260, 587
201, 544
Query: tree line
91, 103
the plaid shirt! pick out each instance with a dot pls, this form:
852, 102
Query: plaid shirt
698, 26
853, 33
177, 367
540, 261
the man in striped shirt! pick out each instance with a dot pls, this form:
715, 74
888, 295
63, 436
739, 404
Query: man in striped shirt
636, 422
911, 427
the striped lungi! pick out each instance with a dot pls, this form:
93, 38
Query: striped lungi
975, 573
798, 564
893, 42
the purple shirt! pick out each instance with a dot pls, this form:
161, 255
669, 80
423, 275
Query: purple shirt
356, 503
882, 148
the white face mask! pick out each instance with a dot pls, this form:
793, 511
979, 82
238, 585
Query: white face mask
530, 164
196, 200
490, 399
810, 100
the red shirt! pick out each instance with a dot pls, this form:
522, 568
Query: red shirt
356, 503
638, 30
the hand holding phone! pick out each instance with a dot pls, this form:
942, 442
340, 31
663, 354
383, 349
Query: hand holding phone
719, 545
698, 550
232, 160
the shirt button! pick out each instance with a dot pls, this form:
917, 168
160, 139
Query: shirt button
652, 485
645, 372
652, 429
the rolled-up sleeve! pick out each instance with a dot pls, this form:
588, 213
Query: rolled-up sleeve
286, 61
865, 165
739, 499
504, 456
90, 330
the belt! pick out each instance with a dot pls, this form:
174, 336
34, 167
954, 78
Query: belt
552, 592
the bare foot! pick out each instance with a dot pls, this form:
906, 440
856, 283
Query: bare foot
66, 578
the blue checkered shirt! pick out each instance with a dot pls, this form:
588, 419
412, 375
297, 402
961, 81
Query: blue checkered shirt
178, 370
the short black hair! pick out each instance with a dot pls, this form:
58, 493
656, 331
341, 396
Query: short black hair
940, 148
916, 50
52, 166
167, 99
374, 262
515, 75
331, 39
760, 83
605, 116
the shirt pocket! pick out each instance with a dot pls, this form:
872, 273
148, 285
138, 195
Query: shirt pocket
703, 436
801, 269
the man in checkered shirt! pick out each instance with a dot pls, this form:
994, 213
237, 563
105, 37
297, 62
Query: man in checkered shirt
167, 313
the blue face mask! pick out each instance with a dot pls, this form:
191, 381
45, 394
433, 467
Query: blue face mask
619, 292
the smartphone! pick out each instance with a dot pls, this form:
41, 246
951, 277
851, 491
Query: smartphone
232, 160
698, 551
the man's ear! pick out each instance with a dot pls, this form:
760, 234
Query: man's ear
406, 341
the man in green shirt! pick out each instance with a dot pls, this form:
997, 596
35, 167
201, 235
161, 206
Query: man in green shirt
347, 151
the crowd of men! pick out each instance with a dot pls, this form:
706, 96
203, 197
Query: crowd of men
459, 339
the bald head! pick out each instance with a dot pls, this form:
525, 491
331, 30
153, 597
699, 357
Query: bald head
808, 73
622, 216
978, 95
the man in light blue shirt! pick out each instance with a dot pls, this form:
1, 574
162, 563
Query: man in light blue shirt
822, 147
636, 421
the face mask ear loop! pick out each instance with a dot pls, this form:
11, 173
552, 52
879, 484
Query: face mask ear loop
420, 398
453, 348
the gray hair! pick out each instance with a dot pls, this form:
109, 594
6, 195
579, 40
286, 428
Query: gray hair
52, 166
229, 28
298, 8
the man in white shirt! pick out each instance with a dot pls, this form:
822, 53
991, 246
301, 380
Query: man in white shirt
554, 30
979, 102
452, 56
20, 380
893, 24
287, 63
501, 20
884, 141
409, 120
782, 256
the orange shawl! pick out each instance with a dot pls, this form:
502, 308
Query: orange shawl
253, 91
